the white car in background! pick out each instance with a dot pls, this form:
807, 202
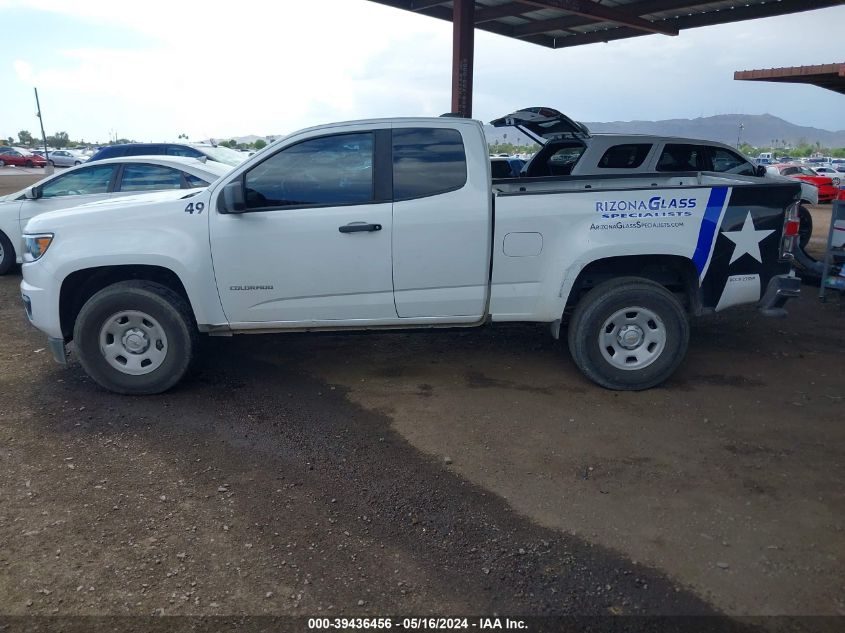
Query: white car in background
66, 158
830, 172
104, 179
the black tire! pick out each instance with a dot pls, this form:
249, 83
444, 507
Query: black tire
642, 297
77, 163
52, 164
7, 254
805, 228
168, 310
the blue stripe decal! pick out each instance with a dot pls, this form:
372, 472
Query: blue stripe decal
708, 227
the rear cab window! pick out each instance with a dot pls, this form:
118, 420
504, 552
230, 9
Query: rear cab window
500, 169
427, 162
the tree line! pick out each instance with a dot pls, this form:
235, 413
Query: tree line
804, 149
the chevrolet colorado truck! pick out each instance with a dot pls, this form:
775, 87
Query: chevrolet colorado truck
397, 223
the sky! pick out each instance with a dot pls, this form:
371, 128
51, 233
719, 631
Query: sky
154, 70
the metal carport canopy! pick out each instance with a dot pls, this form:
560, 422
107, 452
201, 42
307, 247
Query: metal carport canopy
830, 76
564, 23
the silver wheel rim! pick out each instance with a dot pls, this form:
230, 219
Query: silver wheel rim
133, 342
2, 253
632, 338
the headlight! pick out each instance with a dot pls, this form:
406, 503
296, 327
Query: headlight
36, 245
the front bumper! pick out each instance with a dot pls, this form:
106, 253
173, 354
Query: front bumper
781, 289
35, 303
41, 303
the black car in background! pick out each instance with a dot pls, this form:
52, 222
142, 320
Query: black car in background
210, 152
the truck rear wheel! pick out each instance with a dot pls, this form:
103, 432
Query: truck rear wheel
135, 337
805, 226
628, 334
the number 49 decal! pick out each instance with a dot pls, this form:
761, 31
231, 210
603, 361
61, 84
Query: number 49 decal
192, 206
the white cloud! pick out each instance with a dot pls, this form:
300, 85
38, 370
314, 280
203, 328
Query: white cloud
23, 70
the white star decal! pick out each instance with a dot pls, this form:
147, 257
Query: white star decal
747, 240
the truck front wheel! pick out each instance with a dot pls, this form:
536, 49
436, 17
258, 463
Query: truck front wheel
135, 337
628, 334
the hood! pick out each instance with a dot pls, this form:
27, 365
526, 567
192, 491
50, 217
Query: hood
45, 221
543, 124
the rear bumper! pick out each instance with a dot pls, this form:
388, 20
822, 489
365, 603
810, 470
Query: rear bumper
781, 289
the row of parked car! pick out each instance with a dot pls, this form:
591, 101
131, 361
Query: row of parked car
23, 157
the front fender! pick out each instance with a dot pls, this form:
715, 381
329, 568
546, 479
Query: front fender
160, 234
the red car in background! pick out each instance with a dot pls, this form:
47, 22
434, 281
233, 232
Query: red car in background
827, 191
20, 158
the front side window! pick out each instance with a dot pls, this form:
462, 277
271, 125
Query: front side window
627, 156
88, 180
427, 161
141, 177
729, 162
682, 157
325, 171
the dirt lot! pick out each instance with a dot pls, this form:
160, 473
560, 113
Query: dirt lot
445, 472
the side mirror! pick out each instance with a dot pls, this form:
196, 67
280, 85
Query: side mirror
231, 199
33, 193
761, 170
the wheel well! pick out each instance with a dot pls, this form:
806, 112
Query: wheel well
676, 274
81, 285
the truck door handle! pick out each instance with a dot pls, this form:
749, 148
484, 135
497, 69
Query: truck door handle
358, 227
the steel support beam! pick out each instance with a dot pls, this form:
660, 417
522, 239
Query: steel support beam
463, 44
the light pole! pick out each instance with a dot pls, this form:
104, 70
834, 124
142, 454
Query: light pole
739, 134
48, 168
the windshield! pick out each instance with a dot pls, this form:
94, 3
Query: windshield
806, 171
223, 154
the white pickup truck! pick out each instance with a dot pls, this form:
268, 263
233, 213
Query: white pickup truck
396, 223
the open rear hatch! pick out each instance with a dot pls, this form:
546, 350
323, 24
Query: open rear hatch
543, 124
